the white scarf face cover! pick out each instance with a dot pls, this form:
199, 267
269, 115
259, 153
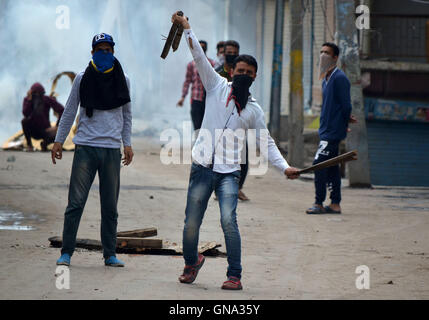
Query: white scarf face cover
326, 63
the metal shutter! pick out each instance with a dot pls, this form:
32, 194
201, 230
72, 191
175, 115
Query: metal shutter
399, 153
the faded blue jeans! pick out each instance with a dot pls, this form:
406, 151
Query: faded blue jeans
86, 162
202, 182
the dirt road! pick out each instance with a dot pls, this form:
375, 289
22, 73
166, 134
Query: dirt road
286, 253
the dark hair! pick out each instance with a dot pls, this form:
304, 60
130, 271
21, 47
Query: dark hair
333, 46
232, 43
220, 44
202, 42
247, 59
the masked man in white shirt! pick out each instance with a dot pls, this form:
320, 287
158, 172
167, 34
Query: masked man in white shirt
216, 165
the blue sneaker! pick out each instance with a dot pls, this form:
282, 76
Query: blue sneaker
64, 260
113, 262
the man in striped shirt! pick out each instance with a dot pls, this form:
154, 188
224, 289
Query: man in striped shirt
198, 94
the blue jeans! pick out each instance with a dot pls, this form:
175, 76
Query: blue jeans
331, 176
202, 182
86, 162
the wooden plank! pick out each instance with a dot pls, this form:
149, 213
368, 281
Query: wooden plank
129, 243
168, 248
124, 242
169, 41
177, 38
171, 37
139, 233
349, 156
89, 244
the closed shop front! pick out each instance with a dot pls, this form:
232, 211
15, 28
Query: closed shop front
398, 142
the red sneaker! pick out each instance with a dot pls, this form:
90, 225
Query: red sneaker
190, 272
233, 283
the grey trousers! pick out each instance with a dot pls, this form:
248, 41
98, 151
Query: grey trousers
87, 162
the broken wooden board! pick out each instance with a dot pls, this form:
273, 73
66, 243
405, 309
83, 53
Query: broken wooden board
177, 39
349, 156
168, 248
139, 233
124, 242
173, 38
120, 243
18, 142
205, 247
173, 249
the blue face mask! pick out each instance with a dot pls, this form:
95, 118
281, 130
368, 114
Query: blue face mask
104, 60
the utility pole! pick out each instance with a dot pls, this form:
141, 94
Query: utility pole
347, 40
296, 112
276, 80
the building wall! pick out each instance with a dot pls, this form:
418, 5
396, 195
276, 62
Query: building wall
307, 68
267, 52
284, 109
323, 32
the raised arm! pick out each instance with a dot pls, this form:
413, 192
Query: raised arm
208, 75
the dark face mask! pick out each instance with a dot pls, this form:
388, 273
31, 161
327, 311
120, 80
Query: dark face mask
229, 58
240, 90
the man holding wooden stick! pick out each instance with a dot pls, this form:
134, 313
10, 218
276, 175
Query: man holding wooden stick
229, 108
334, 119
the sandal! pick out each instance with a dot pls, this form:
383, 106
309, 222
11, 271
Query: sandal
315, 210
233, 283
190, 272
242, 196
328, 209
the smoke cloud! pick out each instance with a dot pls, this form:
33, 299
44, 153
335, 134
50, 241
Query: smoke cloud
34, 49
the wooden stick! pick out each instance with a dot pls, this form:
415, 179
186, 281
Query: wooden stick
139, 233
349, 156
168, 248
177, 38
124, 242
171, 37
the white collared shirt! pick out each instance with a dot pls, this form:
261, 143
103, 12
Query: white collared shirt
218, 115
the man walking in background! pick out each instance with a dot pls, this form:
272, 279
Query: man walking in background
104, 124
334, 119
198, 94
